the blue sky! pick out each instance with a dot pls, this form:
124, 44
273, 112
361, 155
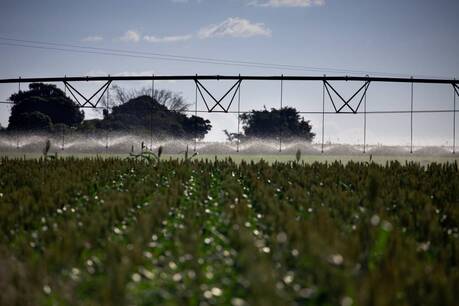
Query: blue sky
410, 37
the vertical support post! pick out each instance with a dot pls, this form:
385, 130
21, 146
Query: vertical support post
238, 116
280, 112
323, 116
195, 113
106, 132
411, 113
106, 141
153, 86
63, 138
454, 119
17, 136
151, 111
365, 123
63, 130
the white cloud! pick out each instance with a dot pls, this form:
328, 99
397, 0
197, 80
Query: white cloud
94, 38
231, 27
166, 39
130, 36
234, 27
286, 3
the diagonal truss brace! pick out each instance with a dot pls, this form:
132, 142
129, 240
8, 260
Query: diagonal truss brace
364, 87
201, 87
456, 88
75, 93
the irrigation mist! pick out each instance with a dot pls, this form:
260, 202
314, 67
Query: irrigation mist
126, 143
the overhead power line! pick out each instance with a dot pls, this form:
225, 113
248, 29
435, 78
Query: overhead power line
179, 58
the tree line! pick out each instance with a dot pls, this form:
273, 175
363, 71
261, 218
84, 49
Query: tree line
46, 108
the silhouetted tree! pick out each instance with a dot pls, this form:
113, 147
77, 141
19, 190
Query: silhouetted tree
142, 114
105, 113
32, 121
172, 101
271, 124
195, 126
43, 103
231, 137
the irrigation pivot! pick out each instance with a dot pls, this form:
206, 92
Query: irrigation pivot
214, 104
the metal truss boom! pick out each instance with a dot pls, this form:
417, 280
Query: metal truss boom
229, 77
74, 92
200, 86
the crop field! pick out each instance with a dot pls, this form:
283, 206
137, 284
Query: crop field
117, 231
269, 158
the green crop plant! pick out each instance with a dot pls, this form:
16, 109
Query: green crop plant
147, 155
298, 156
46, 149
187, 156
112, 231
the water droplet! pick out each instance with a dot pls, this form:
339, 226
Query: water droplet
387, 226
424, 246
208, 294
237, 302
281, 237
191, 274
307, 292
288, 278
375, 220
209, 275
336, 259
47, 289
347, 301
177, 277
216, 291
136, 277
172, 265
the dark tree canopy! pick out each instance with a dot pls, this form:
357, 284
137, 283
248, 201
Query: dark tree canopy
33, 121
43, 103
46, 108
173, 101
271, 124
144, 114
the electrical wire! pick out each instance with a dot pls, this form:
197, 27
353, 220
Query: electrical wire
169, 57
